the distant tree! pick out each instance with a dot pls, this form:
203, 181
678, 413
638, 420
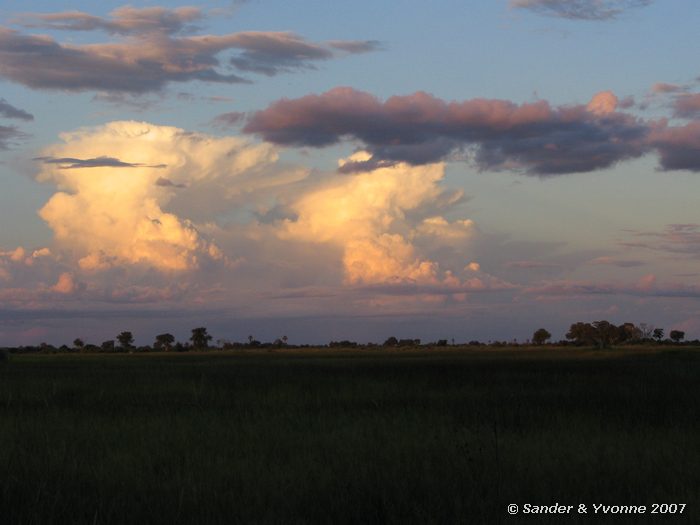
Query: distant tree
200, 338
164, 342
605, 333
392, 341
676, 336
630, 333
599, 333
581, 333
658, 334
540, 336
126, 340
342, 344
78, 343
107, 346
647, 330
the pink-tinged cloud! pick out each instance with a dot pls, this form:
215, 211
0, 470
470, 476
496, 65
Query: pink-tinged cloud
123, 20
603, 103
647, 286
151, 51
678, 147
665, 87
687, 105
534, 138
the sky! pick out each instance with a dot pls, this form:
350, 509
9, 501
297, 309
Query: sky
347, 170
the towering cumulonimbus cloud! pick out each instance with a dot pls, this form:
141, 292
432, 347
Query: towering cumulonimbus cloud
112, 211
367, 217
154, 47
533, 137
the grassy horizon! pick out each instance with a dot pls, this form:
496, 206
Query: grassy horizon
368, 436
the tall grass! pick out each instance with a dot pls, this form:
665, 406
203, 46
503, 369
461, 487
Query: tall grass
452, 438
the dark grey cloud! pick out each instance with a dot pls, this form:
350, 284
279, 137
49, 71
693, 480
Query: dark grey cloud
167, 183
137, 67
678, 146
681, 239
153, 47
647, 287
357, 46
534, 138
9, 135
7, 110
66, 163
619, 263
230, 119
274, 53
580, 9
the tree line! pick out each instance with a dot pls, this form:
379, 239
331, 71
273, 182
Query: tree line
600, 334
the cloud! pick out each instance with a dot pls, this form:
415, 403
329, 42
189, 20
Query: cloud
532, 138
65, 284
9, 135
146, 64
66, 163
531, 265
665, 87
7, 110
603, 103
687, 105
230, 119
124, 20
371, 218
674, 238
273, 53
535, 138
620, 263
150, 52
646, 286
678, 147
580, 9
115, 215
356, 46
167, 183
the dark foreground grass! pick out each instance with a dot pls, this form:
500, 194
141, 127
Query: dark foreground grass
385, 438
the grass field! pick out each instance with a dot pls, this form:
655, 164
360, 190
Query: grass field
348, 437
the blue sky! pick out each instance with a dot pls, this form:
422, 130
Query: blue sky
503, 166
